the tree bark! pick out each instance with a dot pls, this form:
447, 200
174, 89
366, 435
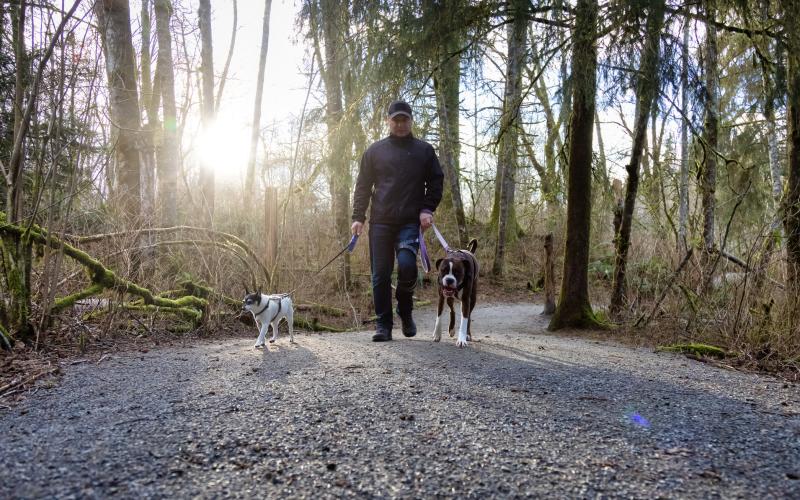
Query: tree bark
647, 87
792, 200
509, 123
549, 277
574, 309
114, 23
168, 148
708, 178
207, 188
250, 178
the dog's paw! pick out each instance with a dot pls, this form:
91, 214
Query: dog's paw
272, 340
461, 342
437, 336
257, 345
452, 332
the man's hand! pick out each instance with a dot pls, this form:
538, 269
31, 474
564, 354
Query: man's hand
357, 228
425, 220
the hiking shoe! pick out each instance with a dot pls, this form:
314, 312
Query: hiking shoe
382, 335
409, 327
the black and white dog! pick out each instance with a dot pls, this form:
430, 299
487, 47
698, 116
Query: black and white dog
458, 274
269, 310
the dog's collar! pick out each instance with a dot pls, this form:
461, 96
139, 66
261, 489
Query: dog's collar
266, 306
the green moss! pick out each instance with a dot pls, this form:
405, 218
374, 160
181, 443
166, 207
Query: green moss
70, 300
696, 349
582, 318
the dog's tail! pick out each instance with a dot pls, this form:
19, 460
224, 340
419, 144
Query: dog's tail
472, 245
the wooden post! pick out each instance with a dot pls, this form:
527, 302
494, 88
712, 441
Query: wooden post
549, 277
271, 225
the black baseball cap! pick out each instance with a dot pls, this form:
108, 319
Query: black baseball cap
399, 108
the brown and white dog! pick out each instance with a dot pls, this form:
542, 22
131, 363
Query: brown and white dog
458, 275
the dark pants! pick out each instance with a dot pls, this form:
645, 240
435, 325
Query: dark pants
387, 241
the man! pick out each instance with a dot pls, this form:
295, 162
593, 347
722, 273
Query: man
401, 177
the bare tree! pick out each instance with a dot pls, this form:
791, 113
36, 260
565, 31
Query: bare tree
647, 86
509, 124
447, 80
207, 108
168, 148
114, 23
683, 189
708, 178
328, 15
250, 184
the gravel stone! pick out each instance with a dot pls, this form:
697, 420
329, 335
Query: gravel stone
519, 413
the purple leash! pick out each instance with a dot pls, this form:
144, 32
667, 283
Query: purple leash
423, 249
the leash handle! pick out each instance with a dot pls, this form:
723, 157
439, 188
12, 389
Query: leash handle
352, 245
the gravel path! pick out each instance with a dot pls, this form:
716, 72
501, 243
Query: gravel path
519, 413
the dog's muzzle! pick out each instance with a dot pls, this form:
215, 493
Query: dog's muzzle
449, 291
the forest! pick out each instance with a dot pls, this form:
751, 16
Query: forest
633, 165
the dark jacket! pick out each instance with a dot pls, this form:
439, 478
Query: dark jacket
402, 177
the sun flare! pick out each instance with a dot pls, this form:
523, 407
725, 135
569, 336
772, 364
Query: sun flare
224, 147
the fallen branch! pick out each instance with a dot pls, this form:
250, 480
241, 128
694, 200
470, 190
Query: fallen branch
27, 381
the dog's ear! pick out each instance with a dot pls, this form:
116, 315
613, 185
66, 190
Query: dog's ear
246, 291
473, 244
438, 263
259, 290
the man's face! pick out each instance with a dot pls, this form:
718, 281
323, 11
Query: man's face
399, 125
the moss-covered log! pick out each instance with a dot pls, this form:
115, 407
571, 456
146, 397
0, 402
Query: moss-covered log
314, 325
100, 276
206, 292
696, 349
322, 308
69, 300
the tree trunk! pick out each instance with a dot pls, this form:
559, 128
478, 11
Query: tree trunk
338, 147
708, 179
683, 189
792, 201
149, 102
114, 23
14, 187
168, 147
647, 87
574, 309
250, 180
509, 123
207, 177
16, 254
447, 85
549, 277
